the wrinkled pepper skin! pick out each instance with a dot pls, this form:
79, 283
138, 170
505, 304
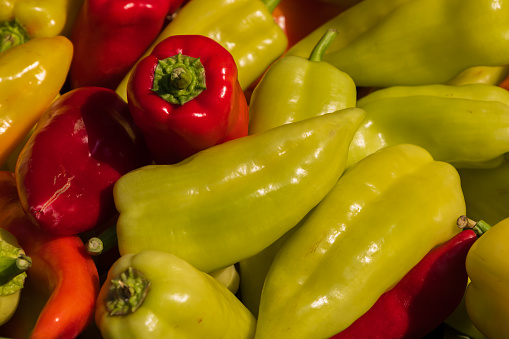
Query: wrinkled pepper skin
463, 125
232, 200
110, 36
486, 298
62, 285
305, 88
380, 219
31, 76
182, 302
445, 42
244, 27
82, 145
423, 299
202, 112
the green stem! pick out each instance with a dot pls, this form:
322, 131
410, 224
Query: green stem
179, 79
323, 44
103, 242
127, 292
10, 267
12, 34
480, 227
271, 4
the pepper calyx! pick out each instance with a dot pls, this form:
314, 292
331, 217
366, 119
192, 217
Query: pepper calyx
12, 33
179, 79
127, 292
13, 266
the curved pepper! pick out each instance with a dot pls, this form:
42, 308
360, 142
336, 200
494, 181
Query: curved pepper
110, 36
464, 125
486, 298
185, 97
158, 295
305, 88
31, 76
244, 27
83, 143
380, 219
439, 46
60, 290
231, 201
423, 299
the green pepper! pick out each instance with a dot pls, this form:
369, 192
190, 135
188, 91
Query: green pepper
438, 39
304, 87
465, 125
230, 201
158, 295
381, 218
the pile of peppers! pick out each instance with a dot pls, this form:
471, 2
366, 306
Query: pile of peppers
252, 169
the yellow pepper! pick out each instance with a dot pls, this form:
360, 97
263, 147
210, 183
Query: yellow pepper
41, 18
31, 76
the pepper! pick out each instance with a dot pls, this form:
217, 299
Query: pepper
305, 87
158, 295
41, 19
84, 142
31, 76
486, 300
244, 27
441, 44
62, 284
422, 299
230, 201
380, 219
109, 37
185, 97
464, 125
13, 266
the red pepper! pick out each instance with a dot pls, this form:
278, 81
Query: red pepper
82, 145
185, 96
110, 36
423, 299
62, 285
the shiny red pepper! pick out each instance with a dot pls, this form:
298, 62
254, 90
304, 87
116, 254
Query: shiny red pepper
185, 97
110, 36
423, 299
62, 285
82, 145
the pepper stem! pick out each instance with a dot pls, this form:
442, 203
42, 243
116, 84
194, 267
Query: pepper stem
480, 227
103, 242
323, 44
10, 267
271, 4
179, 79
127, 292
12, 34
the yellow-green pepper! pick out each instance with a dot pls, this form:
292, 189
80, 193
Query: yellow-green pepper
465, 125
415, 42
382, 217
158, 295
229, 202
245, 28
305, 88
31, 76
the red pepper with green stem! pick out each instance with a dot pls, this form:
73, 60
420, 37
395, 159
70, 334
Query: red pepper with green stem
62, 285
110, 36
185, 97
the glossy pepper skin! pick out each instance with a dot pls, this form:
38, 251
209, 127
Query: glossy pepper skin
181, 302
463, 125
380, 219
445, 42
305, 88
486, 298
185, 97
232, 200
31, 76
110, 36
62, 285
82, 145
422, 299
244, 27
